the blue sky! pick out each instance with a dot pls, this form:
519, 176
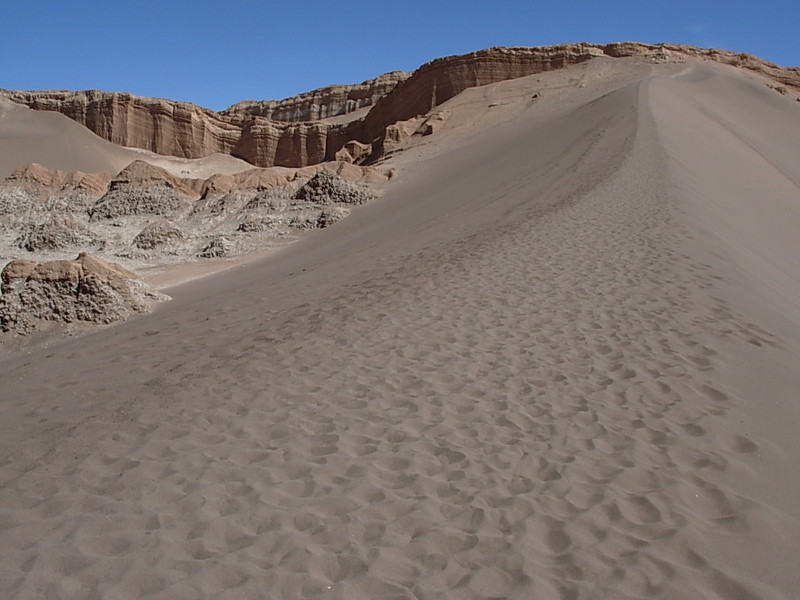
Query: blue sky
217, 53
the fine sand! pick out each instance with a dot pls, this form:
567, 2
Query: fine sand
556, 360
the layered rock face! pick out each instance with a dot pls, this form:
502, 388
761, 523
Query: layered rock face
161, 126
330, 101
292, 133
439, 80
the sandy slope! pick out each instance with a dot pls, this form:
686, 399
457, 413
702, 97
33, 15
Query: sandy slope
54, 140
517, 375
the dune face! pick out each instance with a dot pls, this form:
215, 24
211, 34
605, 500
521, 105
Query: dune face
557, 359
290, 132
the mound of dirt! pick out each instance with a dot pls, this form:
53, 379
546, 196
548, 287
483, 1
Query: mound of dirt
57, 233
143, 189
327, 188
85, 289
158, 234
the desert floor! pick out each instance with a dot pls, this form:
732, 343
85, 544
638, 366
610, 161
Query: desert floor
557, 359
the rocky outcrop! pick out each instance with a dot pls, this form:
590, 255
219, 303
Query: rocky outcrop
788, 76
161, 126
85, 289
157, 234
328, 188
54, 180
58, 232
268, 143
146, 215
330, 101
292, 133
438, 81
282, 133
37, 189
354, 152
143, 189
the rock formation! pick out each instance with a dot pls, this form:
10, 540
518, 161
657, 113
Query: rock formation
146, 216
53, 179
85, 289
161, 126
38, 189
143, 189
58, 232
292, 132
327, 188
157, 234
330, 101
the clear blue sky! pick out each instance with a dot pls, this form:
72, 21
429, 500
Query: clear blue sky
217, 53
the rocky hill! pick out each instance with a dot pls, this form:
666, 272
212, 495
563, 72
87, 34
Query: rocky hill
295, 133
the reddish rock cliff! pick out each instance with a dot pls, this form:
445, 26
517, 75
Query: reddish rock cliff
290, 133
330, 101
161, 126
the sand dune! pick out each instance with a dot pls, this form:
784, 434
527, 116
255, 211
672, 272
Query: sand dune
533, 369
56, 141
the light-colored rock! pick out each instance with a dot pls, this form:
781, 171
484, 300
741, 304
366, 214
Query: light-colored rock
318, 219
158, 234
217, 247
258, 224
56, 233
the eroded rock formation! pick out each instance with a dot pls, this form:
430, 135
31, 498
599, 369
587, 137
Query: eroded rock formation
292, 132
85, 289
330, 101
146, 215
143, 189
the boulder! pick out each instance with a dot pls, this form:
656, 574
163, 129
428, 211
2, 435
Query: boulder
85, 289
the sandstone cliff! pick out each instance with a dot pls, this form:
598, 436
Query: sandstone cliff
330, 101
292, 132
161, 126
439, 80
